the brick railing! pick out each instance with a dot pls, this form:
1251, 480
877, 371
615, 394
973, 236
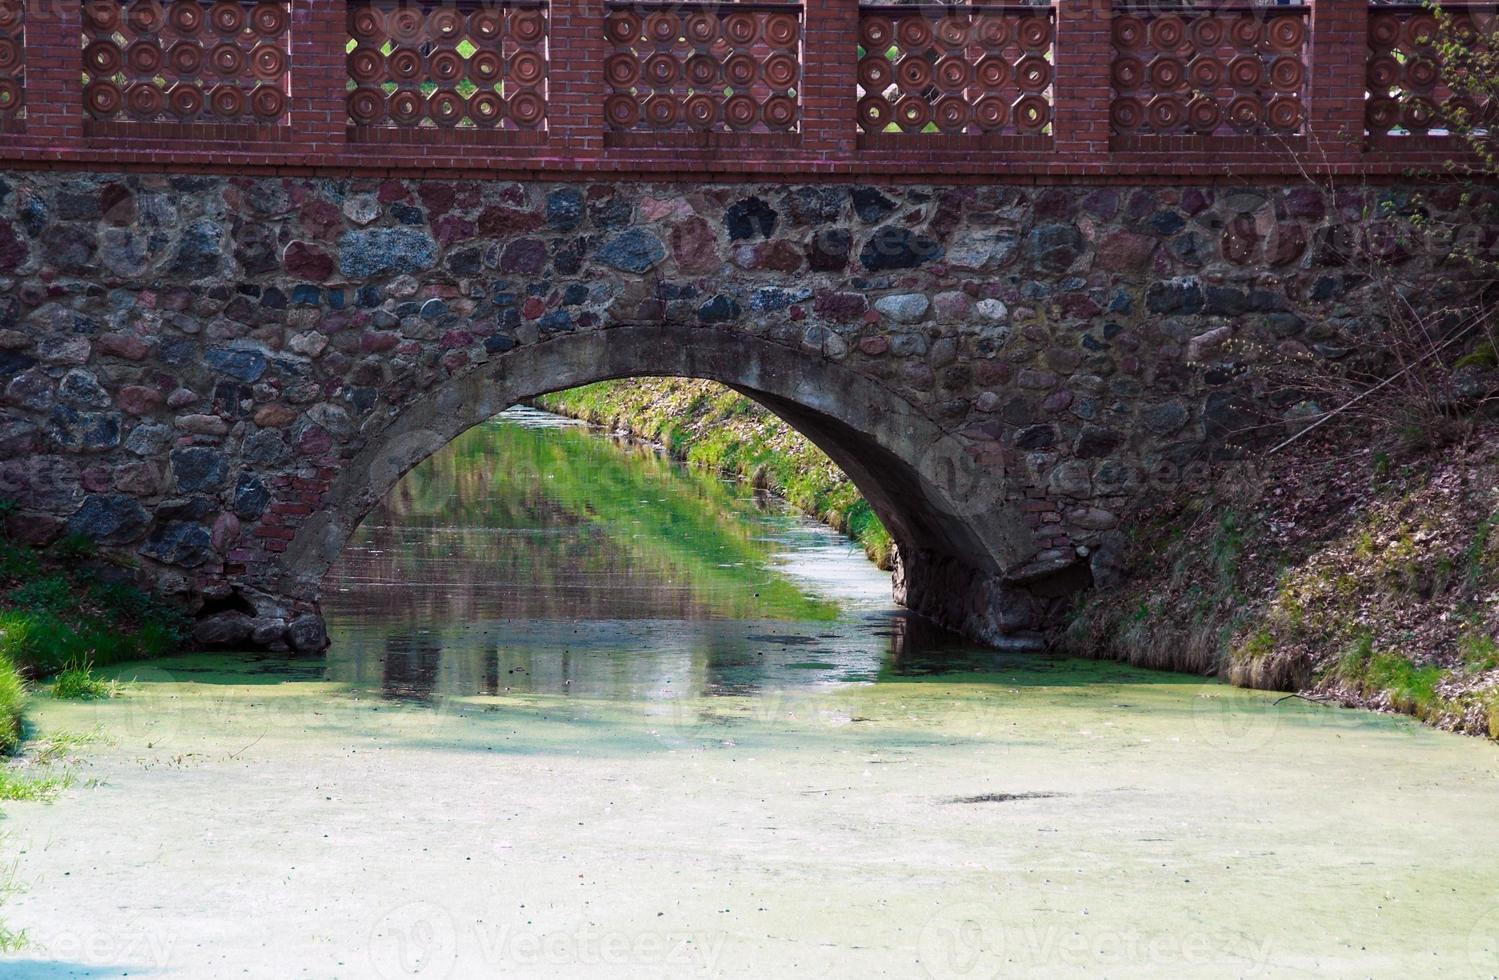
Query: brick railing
733, 87
1409, 103
466, 69
693, 69
1225, 77
983, 70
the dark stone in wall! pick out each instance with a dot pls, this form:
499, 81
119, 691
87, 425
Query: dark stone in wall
750, 218
110, 519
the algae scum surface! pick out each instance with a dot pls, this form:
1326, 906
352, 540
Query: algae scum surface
589, 714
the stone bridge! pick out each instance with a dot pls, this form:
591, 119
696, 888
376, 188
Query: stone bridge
236, 310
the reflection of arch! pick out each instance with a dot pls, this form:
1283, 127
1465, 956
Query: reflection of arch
932, 495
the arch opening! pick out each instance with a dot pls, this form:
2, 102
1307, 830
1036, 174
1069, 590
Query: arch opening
953, 527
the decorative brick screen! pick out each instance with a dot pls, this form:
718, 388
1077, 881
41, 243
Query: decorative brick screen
1208, 72
979, 70
469, 65
704, 67
185, 61
1407, 95
12, 61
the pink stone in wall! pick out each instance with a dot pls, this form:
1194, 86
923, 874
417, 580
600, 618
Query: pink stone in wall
275, 415
1125, 251
952, 305
307, 261
315, 441
181, 398
844, 307
202, 425
96, 479
225, 531
124, 345
779, 256
320, 218
142, 478
1057, 401
495, 222
450, 228
437, 196
665, 208
694, 246
138, 399
375, 341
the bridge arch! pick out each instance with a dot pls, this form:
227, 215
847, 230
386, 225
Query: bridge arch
955, 531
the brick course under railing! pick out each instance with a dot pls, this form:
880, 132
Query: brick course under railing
829, 88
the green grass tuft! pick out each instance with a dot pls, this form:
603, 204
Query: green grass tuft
78, 683
1479, 651
21, 786
1411, 688
12, 701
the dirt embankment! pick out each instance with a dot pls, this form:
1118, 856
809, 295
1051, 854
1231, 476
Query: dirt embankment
1354, 575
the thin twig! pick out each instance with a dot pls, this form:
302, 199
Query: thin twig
1304, 697
1477, 320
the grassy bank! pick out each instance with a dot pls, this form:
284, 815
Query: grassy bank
63, 609
713, 427
1370, 580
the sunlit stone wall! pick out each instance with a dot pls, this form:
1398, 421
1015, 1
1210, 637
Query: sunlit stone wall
191, 363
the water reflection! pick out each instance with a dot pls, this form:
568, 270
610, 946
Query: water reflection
535, 554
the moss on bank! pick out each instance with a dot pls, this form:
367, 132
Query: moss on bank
713, 427
61, 607
1371, 582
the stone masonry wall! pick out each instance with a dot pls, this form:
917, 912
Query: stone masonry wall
188, 362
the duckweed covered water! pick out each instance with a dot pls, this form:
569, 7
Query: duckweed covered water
589, 714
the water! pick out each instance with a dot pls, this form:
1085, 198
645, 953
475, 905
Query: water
537, 555
591, 714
